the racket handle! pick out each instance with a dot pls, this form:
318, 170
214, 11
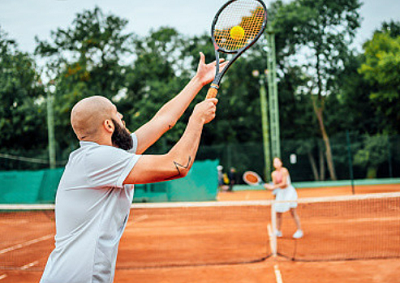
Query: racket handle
212, 91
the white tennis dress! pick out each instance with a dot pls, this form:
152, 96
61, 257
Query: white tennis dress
287, 194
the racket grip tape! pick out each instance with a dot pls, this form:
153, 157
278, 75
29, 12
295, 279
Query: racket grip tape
212, 91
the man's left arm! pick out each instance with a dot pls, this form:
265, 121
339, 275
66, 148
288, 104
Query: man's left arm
170, 113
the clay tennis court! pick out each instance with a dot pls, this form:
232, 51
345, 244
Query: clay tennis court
230, 244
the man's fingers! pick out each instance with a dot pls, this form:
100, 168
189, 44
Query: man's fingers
213, 100
202, 58
222, 66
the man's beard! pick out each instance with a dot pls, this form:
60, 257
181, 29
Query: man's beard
121, 137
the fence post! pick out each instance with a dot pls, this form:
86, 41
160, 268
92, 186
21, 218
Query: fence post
350, 161
390, 159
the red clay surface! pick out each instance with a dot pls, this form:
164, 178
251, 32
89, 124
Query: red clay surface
371, 271
160, 248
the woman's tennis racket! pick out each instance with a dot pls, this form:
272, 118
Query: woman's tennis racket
252, 178
236, 27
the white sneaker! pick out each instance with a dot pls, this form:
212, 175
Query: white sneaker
298, 234
278, 233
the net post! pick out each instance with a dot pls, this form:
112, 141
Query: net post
273, 232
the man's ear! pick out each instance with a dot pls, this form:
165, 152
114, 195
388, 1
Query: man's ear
109, 126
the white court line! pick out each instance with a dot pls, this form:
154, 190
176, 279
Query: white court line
19, 246
271, 240
34, 241
3, 276
370, 219
269, 231
278, 274
26, 266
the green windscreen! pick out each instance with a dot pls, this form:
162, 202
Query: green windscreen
30, 187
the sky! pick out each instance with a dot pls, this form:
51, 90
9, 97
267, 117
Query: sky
25, 19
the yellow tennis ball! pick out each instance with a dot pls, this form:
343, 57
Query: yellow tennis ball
237, 32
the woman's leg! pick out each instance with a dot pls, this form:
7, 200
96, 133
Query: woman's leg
278, 221
296, 218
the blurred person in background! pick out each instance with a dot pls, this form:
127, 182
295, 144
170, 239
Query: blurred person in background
284, 191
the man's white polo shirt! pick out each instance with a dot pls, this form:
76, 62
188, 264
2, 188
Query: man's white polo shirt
92, 209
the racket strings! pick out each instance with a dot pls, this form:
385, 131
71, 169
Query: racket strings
250, 177
247, 14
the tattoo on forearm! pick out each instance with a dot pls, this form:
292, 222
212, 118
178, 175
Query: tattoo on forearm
179, 167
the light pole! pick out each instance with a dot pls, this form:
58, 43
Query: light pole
264, 122
50, 126
273, 94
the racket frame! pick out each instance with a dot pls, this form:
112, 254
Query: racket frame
260, 180
218, 75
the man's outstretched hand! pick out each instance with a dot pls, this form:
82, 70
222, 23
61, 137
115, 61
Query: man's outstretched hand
206, 72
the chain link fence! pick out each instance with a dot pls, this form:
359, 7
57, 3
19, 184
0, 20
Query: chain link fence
354, 156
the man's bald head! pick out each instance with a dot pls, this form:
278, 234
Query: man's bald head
88, 115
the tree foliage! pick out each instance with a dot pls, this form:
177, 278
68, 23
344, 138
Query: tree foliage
315, 36
373, 153
83, 60
22, 112
381, 70
324, 87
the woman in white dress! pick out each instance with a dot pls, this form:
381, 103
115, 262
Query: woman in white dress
284, 192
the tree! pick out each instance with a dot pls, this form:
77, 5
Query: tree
357, 112
22, 112
392, 28
316, 37
85, 59
381, 70
297, 121
373, 153
156, 75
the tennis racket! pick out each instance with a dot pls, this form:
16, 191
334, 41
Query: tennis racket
252, 178
236, 27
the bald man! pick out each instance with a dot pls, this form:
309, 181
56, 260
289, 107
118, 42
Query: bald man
96, 190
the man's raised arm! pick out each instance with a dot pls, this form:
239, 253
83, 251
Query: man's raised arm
178, 161
170, 113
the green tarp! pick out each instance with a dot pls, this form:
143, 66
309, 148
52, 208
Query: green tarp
201, 183
30, 187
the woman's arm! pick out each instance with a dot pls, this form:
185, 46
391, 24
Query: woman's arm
276, 185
